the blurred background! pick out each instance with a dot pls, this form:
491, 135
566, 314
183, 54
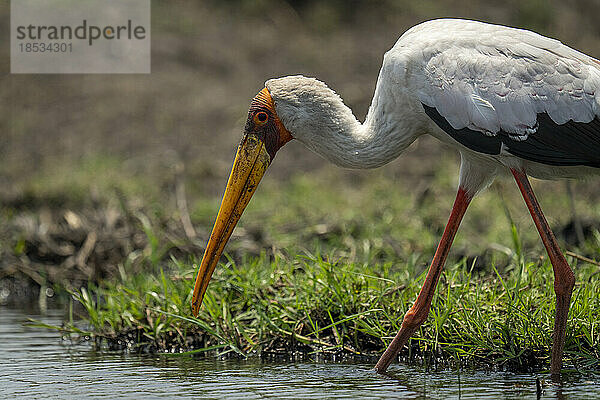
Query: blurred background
89, 162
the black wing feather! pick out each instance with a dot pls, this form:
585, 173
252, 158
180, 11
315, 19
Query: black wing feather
569, 144
467, 137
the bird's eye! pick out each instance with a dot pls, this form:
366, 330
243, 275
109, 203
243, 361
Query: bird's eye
261, 117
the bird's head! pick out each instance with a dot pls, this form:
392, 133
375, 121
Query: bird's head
264, 134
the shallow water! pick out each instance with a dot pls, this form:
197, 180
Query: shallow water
35, 363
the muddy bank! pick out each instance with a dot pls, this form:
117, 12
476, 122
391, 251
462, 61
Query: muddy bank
54, 247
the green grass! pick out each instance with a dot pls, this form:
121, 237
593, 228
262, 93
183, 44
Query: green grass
304, 305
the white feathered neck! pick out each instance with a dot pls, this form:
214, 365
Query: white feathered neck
315, 115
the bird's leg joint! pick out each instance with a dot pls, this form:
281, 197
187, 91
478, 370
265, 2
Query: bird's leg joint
564, 281
415, 317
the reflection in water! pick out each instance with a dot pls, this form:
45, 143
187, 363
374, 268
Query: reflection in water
36, 365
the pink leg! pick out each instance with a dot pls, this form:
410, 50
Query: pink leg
564, 280
420, 309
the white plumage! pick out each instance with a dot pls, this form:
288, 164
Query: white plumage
490, 78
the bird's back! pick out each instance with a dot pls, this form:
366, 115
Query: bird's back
502, 91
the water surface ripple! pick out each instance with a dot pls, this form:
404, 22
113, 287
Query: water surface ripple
37, 364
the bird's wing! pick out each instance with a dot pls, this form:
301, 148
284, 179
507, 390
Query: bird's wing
497, 88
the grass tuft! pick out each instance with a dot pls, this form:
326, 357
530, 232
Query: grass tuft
291, 307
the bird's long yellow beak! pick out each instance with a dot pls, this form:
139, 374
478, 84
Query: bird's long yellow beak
251, 162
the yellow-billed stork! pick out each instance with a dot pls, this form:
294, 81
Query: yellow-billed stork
510, 101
